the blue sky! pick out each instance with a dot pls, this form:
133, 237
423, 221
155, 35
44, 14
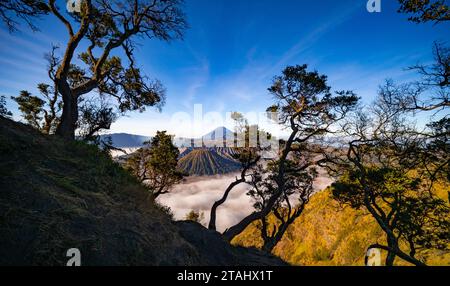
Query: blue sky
234, 48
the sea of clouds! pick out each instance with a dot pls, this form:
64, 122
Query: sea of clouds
200, 193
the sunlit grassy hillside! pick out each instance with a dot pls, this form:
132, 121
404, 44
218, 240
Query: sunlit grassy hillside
330, 234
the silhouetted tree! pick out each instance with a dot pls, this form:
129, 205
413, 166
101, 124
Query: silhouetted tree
426, 10
437, 74
437, 150
430, 94
156, 164
249, 158
94, 118
247, 155
3, 110
309, 109
385, 167
289, 206
105, 27
44, 112
32, 108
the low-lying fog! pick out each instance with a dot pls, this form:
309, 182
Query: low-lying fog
199, 194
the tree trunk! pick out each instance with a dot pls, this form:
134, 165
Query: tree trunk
212, 220
270, 243
233, 231
391, 255
69, 116
400, 254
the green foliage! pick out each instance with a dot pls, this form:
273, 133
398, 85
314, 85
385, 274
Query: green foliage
42, 112
305, 104
306, 98
195, 216
298, 182
106, 31
425, 10
438, 148
32, 108
384, 184
156, 164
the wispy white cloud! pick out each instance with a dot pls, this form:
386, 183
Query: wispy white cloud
195, 77
248, 87
25, 44
308, 41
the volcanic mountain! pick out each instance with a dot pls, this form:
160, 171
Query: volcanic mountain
208, 161
219, 134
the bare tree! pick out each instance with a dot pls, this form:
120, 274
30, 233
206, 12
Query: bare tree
432, 92
12, 11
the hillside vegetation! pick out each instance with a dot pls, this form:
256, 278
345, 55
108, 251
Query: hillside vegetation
330, 234
56, 195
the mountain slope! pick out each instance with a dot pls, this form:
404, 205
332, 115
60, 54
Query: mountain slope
56, 195
218, 134
207, 162
333, 235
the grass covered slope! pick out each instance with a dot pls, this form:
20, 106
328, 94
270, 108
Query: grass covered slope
56, 195
329, 234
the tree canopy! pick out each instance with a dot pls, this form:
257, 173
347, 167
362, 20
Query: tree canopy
306, 105
97, 33
426, 10
156, 164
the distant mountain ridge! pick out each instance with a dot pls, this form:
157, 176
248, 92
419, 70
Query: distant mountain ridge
125, 140
206, 158
215, 137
